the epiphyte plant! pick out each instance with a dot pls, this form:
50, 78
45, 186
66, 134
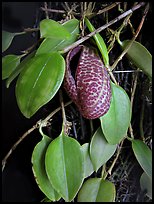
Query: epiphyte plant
61, 164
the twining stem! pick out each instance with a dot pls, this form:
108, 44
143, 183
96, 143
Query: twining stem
16, 144
107, 8
133, 39
141, 121
123, 15
63, 112
46, 11
114, 161
39, 123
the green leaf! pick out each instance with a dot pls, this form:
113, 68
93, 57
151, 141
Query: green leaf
39, 81
51, 44
100, 150
139, 56
18, 69
146, 184
100, 42
88, 166
52, 29
38, 161
143, 155
116, 121
9, 64
7, 38
97, 190
64, 166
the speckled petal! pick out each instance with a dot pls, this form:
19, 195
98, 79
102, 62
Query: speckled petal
92, 92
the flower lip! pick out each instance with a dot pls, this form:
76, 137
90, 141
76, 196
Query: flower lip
90, 88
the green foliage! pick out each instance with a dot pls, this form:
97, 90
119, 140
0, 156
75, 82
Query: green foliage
139, 56
88, 166
39, 81
7, 38
64, 166
146, 184
9, 64
61, 165
51, 44
100, 150
18, 69
143, 155
52, 29
38, 158
97, 190
100, 43
116, 121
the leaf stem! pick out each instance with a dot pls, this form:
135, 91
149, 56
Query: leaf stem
114, 161
103, 27
39, 123
133, 39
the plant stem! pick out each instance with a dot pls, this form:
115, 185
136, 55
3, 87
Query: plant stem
141, 122
16, 144
116, 158
133, 39
63, 112
43, 123
103, 27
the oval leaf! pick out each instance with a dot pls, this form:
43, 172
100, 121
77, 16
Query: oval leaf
52, 29
116, 121
100, 43
97, 190
143, 155
50, 44
100, 150
39, 82
139, 56
146, 184
7, 38
38, 161
18, 69
64, 166
88, 166
9, 64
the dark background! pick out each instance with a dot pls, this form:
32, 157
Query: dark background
18, 183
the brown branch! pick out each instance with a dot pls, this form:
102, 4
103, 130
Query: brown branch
108, 8
42, 122
52, 10
103, 27
133, 39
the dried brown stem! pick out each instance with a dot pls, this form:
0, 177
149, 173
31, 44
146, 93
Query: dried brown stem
42, 122
103, 27
133, 39
52, 10
108, 8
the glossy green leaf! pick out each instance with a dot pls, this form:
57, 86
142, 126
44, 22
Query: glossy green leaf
146, 184
9, 64
64, 166
51, 44
116, 121
100, 150
52, 29
18, 69
7, 38
88, 166
139, 56
39, 81
143, 155
38, 162
97, 190
100, 42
